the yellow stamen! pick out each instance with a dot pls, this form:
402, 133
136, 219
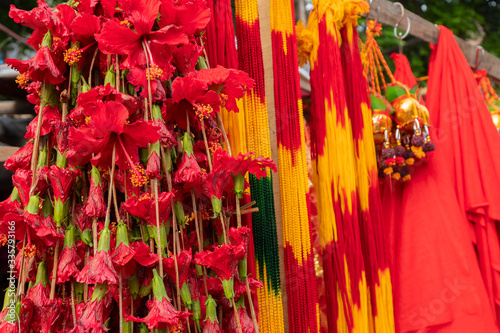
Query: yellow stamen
29, 251
3, 239
138, 177
72, 55
154, 73
23, 79
125, 23
203, 111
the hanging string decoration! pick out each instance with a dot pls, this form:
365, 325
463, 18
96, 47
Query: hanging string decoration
370, 209
299, 259
258, 141
221, 50
490, 96
400, 118
334, 160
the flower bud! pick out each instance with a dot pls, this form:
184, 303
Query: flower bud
186, 295
110, 77
187, 144
216, 205
33, 205
99, 292
86, 237
104, 240
69, 237
159, 291
47, 40
239, 185
228, 286
41, 274
47, 209
179, 213
211, 310
121, 234
133, 285
42, 158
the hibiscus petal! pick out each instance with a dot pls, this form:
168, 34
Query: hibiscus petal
170, 35
142, 13
84, 28
115, 38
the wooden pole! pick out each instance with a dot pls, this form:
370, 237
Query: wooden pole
267, 55
391, 14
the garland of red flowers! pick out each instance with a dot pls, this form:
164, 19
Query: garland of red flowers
121, 197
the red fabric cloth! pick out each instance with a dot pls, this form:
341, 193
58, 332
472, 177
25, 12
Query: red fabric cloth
447, 211
403, 72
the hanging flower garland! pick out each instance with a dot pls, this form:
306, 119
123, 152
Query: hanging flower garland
121, 197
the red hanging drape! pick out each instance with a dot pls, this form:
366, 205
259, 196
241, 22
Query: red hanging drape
445, 217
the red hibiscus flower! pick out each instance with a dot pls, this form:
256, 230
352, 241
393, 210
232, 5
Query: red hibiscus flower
239, 236
44, 67
184, 267
190, 16
50, 123
161, 314
92, 315
46, 230
211, 323
69, 260
127, 37
126, 255
190, 94
39, 294
43, 19
223, 261
240, 286
230, 84
94, 206
89, 100
217, 181
22, 181
106, 129
212, 327
183, 263
20, 159
62, 181
50, 315
25, 320
186, 56
238, 167
245, 320
144, 207
100, 268
188, 172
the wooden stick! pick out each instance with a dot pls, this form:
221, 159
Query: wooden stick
73, 309
252, 309
240, 330
206, 145
54, 272
120, 300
